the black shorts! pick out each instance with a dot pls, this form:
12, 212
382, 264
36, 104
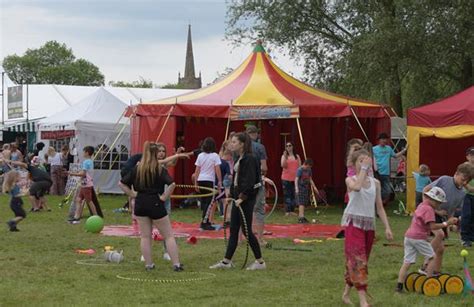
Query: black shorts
16, 204
150, 206
39, 188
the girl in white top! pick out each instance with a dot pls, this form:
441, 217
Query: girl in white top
57, 176
207, 168
359, 223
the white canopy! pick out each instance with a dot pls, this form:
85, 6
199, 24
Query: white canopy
43, 100
95, 121
99, 111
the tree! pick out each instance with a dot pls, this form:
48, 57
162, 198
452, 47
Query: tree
394, 51
173, 86
52, 63
142, 82
222, 74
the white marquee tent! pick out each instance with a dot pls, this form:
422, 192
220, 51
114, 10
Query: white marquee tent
95, 120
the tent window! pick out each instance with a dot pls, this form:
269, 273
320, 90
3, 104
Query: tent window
113, 159
59, 143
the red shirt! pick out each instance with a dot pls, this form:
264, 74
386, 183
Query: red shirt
420, 228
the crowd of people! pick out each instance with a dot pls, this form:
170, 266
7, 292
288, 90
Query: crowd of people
237, 173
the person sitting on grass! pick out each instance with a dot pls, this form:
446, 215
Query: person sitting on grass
303, 185
10, 186
87, 184
41, 183
416, 237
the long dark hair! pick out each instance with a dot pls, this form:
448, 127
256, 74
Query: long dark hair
294, 151
208, 145
245, 139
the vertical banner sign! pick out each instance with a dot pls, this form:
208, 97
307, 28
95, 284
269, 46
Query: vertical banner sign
15, 102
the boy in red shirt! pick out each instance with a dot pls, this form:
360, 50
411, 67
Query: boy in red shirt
416, 237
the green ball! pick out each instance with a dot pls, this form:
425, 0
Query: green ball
94, 224
464, 253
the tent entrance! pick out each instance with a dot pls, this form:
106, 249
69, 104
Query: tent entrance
441, 161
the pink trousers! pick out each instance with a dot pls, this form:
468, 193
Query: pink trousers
357, 246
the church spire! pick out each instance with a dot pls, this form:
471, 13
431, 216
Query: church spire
189, 80
189, 67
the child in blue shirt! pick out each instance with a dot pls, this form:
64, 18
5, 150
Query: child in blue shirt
10, 186
422, 179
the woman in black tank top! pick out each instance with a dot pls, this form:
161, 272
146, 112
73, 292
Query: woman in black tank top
148, 180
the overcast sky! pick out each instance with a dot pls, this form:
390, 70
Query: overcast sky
129, 38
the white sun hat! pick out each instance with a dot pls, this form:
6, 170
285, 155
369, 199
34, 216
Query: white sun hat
437, 194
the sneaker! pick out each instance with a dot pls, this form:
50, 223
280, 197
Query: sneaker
207, 226
257, 266
303, 220
222, 265
178, 267
74, 221
11, 224
14, 229
149, 267
466, 243
166, 257
399, 288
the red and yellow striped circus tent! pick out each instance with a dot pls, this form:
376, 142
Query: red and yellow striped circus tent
258, 83
284, 109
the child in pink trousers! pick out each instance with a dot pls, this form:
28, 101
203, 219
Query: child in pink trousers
359, 223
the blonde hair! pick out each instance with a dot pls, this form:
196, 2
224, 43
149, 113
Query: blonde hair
149, 164
51, 151
424, 169
9, 181
355, 156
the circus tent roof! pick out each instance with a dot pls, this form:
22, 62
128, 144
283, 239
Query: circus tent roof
258, 83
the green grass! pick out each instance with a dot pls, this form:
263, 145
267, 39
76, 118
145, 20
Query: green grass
38, 266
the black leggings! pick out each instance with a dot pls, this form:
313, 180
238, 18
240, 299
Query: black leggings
235, 224
205, 201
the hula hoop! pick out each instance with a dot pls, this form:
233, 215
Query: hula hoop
201, 276
212, 192
98, 262
270, 182
246, 231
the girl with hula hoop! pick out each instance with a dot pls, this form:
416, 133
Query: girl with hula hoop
148, 179
244, 189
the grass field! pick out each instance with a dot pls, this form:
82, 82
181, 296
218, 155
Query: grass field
38, 267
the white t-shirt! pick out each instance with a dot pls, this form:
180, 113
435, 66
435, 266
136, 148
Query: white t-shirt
56, 160
207, 162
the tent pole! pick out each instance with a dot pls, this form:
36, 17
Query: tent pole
301, 137
164, 125
227, 128
358, 122
228, 121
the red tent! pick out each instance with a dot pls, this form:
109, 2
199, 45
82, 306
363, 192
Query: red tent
438, 135
259, 92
